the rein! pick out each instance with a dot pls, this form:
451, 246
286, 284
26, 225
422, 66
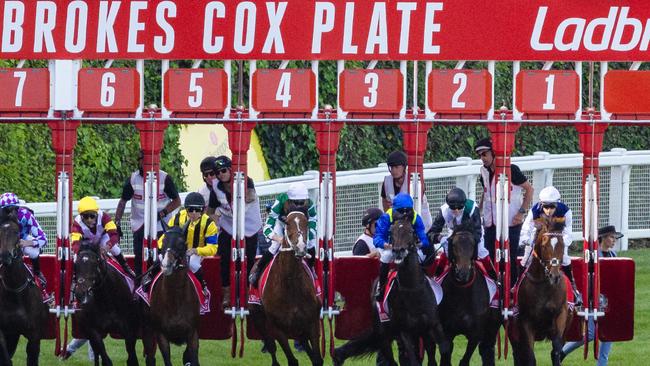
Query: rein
15, 255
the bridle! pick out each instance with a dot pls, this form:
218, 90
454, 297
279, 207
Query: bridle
16, 254
452, 258
301, 234
100, 269
547, 264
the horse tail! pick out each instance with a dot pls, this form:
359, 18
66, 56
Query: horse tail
364, 346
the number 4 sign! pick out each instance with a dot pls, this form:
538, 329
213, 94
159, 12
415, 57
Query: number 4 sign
284, 90
24, 90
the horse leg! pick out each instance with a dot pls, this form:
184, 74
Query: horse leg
33, 350
149, 345
430, 348
488, 341
163, 344
12, 343
284, 344
4, 355
472, 343
313, 347
193, 348
557, 337
408, 355
446, 346
129, 343
445, 357
97, 343
527, 344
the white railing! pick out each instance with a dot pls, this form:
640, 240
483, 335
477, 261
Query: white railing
624, 192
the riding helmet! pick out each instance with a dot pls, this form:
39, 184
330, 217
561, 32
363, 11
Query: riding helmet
298, 191
194, 199
87, 204
483, 145
9, 199
402, 200
208, 164
222, 162
549, 194
456, 197
372, 214
396, 158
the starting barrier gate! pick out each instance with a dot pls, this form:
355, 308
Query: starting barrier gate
67, 94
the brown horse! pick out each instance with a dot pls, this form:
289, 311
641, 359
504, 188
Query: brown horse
107, 304
543, 310
174, 313
22, 311
465, 308
290, 307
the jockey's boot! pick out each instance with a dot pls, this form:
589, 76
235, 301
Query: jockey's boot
125, 266
569, 273
489, 267
441, 264
384, 268
204, 285
36, 267
311, 261
225, 303
259, 267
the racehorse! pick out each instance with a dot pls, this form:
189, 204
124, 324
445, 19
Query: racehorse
465, 307
542, 300
412, 307
107, 304
22, 311
174, 312
290, 307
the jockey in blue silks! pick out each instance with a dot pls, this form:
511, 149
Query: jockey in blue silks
402, 207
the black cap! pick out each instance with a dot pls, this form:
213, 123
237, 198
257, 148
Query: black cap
456, 197
482, 145
194, 199
396, 158
611, 229
222, 162
372, 214
207, 164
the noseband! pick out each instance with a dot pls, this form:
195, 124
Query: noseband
301, 234
16, 253
548, 264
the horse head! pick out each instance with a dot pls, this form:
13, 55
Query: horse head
9, 240
549, 247
174, 249
403, 238
295, 233
89, 270
462, 250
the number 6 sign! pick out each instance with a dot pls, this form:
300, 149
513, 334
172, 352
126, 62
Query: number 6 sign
108, 90
196, 90
24, 90
284, 90
371, 91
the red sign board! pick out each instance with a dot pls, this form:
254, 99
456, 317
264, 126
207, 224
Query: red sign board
460, 91
626, 92
547, 92
108, 90
196, 90
371, 91
24, 90
284, 90
554, 30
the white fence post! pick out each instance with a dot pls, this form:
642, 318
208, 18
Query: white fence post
467, 182
542, 177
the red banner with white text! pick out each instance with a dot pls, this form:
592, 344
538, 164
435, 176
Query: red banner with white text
308, 30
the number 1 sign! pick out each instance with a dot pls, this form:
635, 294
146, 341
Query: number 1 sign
547, 92
24, 90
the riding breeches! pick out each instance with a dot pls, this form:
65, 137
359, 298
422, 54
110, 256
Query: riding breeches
387, 255
32, 252
195, 262
275, 246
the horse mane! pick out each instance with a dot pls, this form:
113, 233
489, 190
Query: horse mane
463, 227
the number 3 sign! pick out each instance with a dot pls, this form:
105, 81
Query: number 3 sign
371, 91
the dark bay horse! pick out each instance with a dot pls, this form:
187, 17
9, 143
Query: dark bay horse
106, 302
290, 307
22, 311
543, 310
174, 313
465, 307
412, 306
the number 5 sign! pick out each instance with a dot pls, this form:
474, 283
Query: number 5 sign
284, 90
108, 90
24, 90
196, 90
371, 91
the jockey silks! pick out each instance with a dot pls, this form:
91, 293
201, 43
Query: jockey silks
446, 218
99, 237
389, 190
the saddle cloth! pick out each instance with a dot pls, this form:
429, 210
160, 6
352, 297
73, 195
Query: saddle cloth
47, 298
570, 299
493, 289
382, 306
116, 266
255, 294
204, 299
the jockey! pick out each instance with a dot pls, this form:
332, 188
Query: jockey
198, 246
209, 175
549, 205
296, 198
459, 210
395, 183
365, 245
402, 206
96, 227
32, 237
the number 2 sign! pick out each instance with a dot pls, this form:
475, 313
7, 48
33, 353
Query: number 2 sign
108, 90
459, 91
284, 90
24, 90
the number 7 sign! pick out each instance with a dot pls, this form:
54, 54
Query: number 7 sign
24, 90
284, 90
